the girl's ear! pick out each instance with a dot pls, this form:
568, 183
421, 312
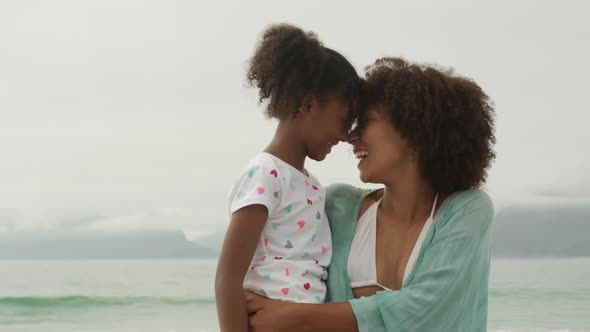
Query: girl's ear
306, 104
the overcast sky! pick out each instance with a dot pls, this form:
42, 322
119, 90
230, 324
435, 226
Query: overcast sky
127, 114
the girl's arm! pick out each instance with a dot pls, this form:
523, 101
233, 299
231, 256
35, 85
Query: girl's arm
238, 248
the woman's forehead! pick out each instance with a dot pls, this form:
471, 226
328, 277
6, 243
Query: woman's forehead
376, 110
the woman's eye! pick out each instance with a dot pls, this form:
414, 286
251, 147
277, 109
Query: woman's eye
363, 122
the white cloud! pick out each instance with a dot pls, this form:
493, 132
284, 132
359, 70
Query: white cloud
135, 112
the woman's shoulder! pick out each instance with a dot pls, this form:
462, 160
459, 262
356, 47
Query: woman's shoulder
343, 202
338, 193
472, 198
471, 209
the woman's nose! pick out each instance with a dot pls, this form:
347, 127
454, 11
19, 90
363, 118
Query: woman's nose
351, 137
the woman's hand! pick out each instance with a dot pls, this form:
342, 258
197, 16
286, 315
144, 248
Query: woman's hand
267, 315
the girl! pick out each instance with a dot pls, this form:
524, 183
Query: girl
278, 243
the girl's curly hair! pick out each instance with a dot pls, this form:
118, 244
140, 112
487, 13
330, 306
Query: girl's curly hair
289, 63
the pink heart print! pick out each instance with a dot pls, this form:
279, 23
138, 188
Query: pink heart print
274, 173
285, 291
301, 224
260, 190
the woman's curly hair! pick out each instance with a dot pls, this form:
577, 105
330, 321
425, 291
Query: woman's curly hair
289, 63
447, 120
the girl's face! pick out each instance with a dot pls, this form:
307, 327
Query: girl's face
325, 124
379, 147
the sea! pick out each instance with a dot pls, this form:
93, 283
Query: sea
177, 295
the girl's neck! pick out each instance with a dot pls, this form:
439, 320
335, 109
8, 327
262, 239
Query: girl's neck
286, 146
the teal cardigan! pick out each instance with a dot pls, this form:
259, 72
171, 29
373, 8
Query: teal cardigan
447, 290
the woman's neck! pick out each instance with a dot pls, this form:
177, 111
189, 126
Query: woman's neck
285, 146
408, 200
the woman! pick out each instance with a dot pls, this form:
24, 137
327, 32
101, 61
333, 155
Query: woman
414, 255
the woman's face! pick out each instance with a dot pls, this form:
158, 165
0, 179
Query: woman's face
381, 151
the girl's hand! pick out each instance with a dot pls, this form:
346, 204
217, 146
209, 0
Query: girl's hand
267, 315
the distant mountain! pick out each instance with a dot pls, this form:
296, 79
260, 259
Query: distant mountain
100, 245
521, 231
549, 231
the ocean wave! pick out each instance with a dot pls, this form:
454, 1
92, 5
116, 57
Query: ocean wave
97, 301
532, 330
540, 294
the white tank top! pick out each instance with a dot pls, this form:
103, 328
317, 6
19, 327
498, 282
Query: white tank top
362, 267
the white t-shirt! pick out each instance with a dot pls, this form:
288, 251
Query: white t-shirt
295, 246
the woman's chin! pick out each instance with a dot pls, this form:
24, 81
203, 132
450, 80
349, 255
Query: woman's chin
367, 176
364, 176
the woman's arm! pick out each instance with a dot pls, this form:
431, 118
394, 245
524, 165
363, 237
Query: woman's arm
454, 264
239, 245
275, 315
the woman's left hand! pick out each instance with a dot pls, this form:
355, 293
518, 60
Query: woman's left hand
267, 315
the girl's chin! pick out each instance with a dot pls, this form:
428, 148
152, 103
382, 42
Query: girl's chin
318, 156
